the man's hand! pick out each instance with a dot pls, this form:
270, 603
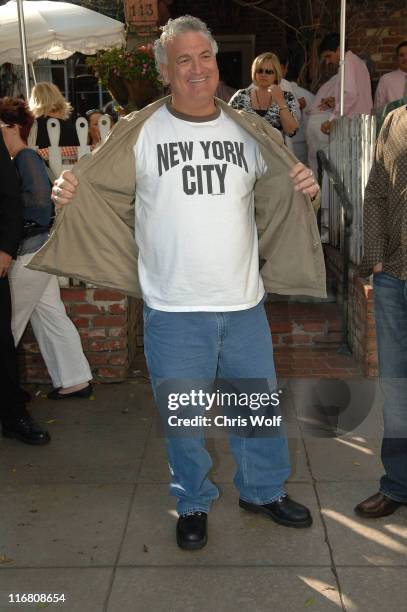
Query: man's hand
326, 127
5, 261
378, 267
327, 103
304, 180
64, 189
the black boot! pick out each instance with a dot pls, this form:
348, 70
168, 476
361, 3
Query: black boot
284, 511
192, 530
26, 430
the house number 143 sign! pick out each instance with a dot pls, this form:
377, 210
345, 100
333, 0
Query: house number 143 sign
141, 12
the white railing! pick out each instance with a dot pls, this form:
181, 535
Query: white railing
55, 154
351, 151
57, 160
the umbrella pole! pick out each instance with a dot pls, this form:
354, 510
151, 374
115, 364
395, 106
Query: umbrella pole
342, 57
23, 45
33, 72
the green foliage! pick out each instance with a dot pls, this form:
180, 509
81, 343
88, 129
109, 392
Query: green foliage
130, 65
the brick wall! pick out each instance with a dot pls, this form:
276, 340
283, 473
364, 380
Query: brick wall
361, 324
102, 318
227, 17
376, 35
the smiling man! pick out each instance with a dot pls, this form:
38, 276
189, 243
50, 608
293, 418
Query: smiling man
198, 175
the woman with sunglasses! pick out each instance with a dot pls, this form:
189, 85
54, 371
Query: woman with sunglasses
36, 295
266, 98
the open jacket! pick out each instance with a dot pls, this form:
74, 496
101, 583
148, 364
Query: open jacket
93, 236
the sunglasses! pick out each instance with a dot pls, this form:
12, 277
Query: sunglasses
93, 111
265, 71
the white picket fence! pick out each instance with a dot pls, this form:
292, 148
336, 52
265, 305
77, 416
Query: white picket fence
57, 162
351, 152
55, 159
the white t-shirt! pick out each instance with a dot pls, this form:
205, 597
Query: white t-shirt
195, 224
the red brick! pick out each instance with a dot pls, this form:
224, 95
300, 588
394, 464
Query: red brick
313, 326
30, 347
80, 321
109, 321
112, 373
280, 327
331, 338
117, 309
119, 359
105, 295
73, 295
108, 345
98, 358
117, 332
84, 309
97, 333
297, 339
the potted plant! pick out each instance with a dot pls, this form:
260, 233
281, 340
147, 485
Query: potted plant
130, 76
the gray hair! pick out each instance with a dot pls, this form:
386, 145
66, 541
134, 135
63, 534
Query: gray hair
180, 25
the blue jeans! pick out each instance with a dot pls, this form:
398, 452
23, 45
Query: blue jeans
390, 295
206, 346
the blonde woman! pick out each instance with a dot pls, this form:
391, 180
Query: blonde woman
47, 101
266, 98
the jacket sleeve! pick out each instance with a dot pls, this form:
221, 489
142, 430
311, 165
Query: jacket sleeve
11, 209
375, 208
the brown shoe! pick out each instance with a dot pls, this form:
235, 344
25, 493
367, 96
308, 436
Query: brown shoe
376, 506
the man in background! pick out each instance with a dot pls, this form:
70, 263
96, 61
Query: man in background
357, 89
393, 85
385, 237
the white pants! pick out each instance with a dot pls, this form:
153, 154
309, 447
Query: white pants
36, 298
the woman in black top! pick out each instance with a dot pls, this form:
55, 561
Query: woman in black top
46, 101
266, 98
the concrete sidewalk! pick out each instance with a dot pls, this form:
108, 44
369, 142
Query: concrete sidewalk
89, 516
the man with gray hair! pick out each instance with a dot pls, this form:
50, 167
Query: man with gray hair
205, 174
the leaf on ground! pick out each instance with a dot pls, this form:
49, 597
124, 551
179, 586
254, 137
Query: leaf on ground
42, 605
310, 602
51, 421
355, 462
14, 470
92, 398
5, 559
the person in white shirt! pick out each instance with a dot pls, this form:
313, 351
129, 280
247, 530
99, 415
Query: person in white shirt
393, 85
198, 267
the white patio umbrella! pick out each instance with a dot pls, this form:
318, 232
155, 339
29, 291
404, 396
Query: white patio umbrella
54, 30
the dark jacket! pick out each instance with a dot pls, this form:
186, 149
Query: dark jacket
67, 138
11, 207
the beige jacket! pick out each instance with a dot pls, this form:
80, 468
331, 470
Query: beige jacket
93, 237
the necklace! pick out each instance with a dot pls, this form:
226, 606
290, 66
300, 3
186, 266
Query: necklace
262, 107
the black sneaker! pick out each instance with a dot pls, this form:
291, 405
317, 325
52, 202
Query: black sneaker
26, 430
192, 530
284, 511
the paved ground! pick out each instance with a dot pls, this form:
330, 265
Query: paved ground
89, 516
